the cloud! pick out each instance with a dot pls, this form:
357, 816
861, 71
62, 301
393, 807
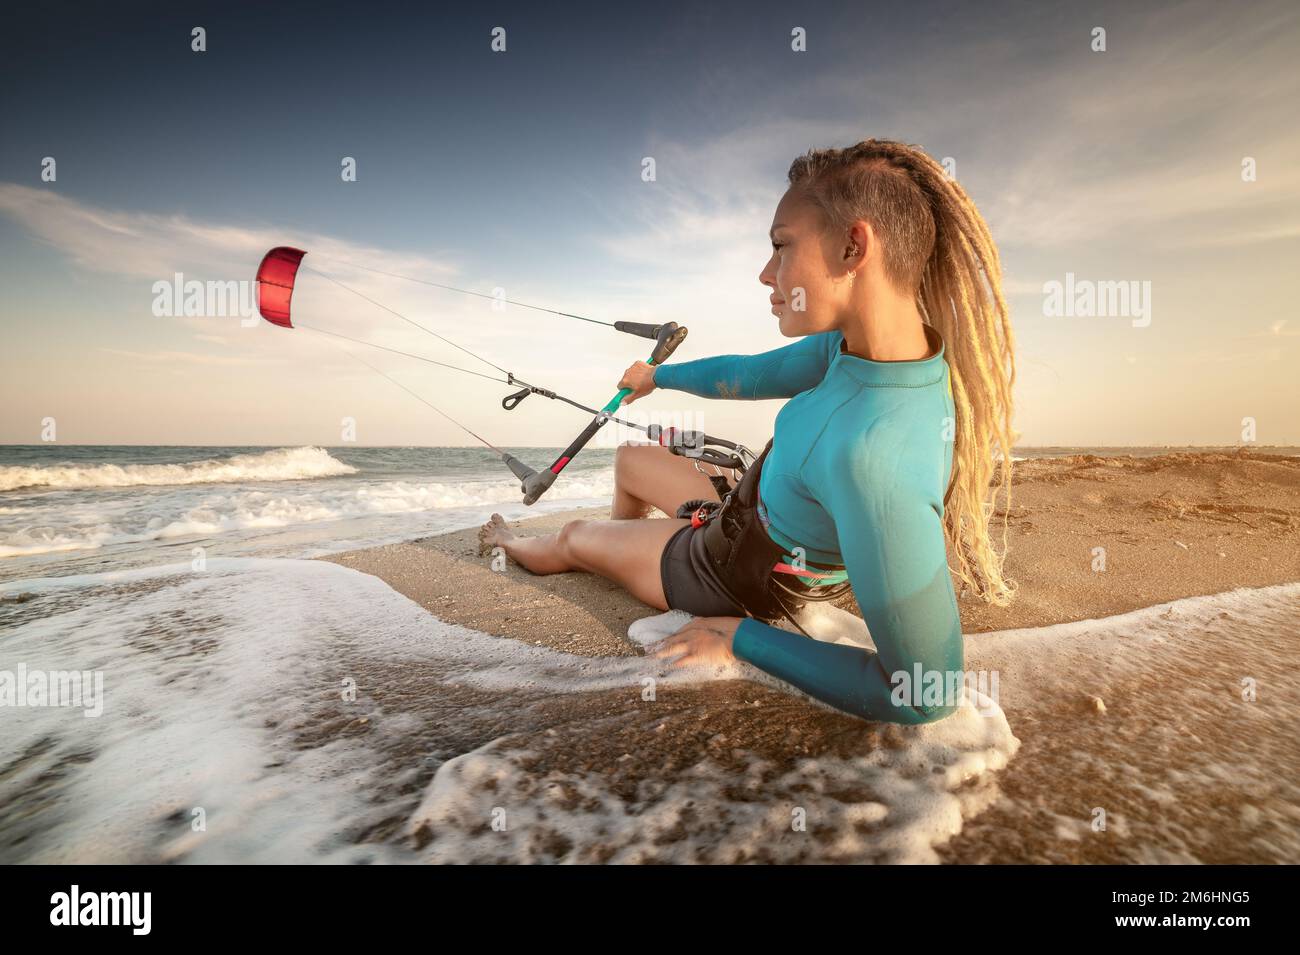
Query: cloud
135, 246
1216, 356
1149, 146
190, 358
1143, 142
147, 245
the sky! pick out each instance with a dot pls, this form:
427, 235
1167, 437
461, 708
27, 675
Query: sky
522, 171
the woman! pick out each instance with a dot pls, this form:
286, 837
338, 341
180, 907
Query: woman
901, 381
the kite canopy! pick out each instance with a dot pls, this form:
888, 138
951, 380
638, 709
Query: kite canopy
275, 277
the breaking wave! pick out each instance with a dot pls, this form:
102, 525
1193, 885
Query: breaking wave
280, 464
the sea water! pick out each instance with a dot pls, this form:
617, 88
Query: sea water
73, 510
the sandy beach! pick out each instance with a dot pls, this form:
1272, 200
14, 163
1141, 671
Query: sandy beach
1123, 690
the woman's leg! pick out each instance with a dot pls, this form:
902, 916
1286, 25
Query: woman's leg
625, 551
650, 476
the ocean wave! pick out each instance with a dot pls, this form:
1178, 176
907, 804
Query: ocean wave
231, 512
280, 464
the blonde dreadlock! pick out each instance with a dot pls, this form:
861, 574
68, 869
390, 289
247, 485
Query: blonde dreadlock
937, 246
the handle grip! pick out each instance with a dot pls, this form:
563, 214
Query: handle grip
639, 329
667, 338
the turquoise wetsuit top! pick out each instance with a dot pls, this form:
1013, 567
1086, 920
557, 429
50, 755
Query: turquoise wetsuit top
856, 476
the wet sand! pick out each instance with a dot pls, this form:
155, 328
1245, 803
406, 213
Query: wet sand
1149, 729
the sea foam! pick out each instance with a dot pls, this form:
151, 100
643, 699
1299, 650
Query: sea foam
284, 710
279, 464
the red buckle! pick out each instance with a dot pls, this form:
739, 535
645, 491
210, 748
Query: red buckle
697, 519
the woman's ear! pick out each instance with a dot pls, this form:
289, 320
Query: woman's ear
859, 236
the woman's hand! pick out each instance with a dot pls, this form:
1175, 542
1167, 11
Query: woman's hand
640, 377
705, 641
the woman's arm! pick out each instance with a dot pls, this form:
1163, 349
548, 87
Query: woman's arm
891, 539
780, 373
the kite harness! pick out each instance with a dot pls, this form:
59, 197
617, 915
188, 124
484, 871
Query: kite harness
757, 572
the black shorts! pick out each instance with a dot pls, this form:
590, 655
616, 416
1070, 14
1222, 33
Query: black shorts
690, 581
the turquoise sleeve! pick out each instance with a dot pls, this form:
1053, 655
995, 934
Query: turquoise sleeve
781, 373
891, 539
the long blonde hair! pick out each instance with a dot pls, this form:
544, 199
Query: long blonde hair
937, 245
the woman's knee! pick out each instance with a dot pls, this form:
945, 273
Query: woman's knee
625, 457
569, 539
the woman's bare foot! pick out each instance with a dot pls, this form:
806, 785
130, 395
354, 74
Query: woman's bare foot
494, 533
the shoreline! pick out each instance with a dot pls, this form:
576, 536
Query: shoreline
1169, 527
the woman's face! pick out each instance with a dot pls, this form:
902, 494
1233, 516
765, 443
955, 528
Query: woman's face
807, 272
